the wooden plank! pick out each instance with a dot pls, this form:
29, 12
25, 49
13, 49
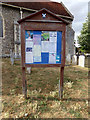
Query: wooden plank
44, 26
63, 48
42, 65
50, 21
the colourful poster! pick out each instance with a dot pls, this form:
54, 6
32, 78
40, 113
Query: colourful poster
45, 36
37, 50
28, 49
57, 59
52, 58
29, 35
37, 39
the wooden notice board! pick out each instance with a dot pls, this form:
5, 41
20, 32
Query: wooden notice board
43, 43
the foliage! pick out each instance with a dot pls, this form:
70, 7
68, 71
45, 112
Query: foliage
84, 37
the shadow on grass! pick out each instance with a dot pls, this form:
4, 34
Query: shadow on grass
32, 118
76, 99
43, 98
57, 99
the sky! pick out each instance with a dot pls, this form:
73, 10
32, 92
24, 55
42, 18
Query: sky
78, 8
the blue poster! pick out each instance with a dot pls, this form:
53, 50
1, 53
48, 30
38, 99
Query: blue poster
43, 47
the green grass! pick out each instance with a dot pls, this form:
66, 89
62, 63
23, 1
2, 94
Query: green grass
42, 86
76, 114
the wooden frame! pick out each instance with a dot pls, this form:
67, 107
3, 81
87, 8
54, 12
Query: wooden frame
30, 23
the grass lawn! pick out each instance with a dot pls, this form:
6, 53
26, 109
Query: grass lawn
43, 100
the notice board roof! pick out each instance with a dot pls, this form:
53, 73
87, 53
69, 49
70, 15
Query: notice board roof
38, 16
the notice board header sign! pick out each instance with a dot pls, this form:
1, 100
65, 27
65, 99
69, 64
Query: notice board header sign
43, 47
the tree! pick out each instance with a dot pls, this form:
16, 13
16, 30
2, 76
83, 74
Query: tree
84, 37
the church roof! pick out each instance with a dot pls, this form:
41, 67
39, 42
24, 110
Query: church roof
55, 7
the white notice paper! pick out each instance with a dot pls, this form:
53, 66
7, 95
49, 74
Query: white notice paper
29, 57
29, 44
52, 58
37, 59
53, 36
45, 46
52, 47
37, 50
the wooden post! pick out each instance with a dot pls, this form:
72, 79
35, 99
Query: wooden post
23, 62
61, 82
62, 64
24, 82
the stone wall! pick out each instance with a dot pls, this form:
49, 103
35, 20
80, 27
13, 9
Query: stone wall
10, 15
